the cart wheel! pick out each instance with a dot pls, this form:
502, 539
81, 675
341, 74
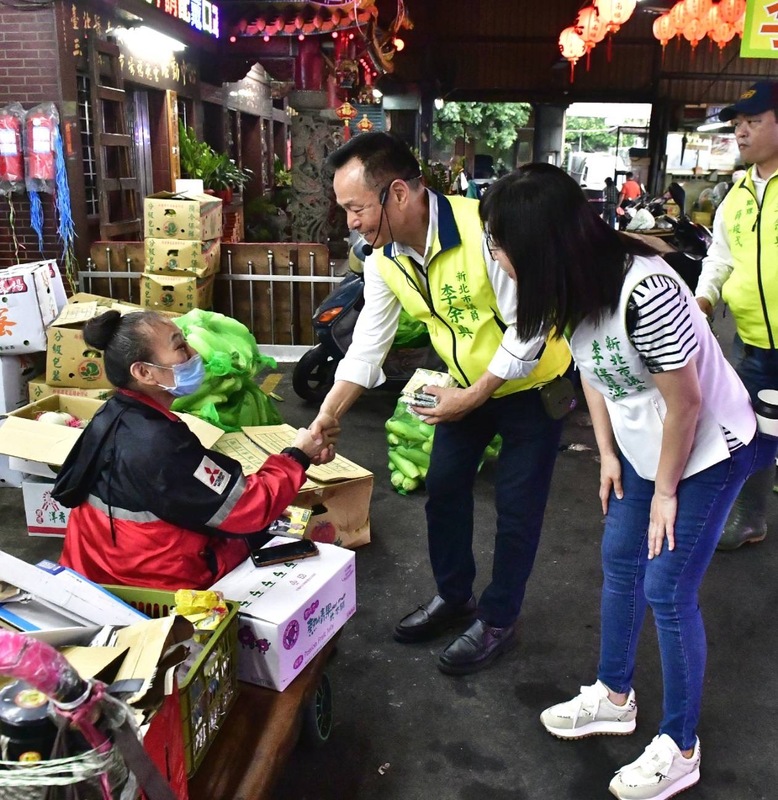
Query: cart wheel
317, 716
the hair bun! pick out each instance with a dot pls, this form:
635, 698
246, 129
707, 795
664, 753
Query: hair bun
99, 331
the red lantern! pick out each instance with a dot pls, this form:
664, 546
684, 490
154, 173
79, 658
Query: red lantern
591, 28
722, 33
694, 31
572, 47
679, 17
615, 12
664, 30
739, 24
697, 9
364, 125
346, 112
731, 10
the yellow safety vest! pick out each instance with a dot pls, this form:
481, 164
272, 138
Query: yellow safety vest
457, 302
751, 291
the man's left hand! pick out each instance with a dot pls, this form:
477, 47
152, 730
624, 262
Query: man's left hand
453, 404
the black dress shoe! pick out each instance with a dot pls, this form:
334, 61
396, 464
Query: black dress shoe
433, 618
476, 648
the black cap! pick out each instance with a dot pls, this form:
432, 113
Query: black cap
761, 97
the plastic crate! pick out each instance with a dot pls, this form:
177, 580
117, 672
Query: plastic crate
211, 685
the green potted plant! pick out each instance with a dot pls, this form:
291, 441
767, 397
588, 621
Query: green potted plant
199, 161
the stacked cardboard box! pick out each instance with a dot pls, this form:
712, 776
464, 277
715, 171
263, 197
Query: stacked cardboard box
182, 251
31, 296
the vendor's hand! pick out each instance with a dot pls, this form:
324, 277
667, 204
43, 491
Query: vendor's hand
309, 444
325, 428
326, 455
453, 404
610, 479
661, 526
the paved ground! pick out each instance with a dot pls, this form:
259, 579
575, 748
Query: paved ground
404, 731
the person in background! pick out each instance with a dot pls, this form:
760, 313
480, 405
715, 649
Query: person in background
429, 256
630, 189
741, 268
677, 438
611, 200
151, 505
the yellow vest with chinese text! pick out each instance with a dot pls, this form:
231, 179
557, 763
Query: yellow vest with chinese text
751, 290
457, 303
611, 365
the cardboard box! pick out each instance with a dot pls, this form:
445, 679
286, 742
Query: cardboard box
16, 372
31, 296
289, 611
9, 478
180, 293
35, 447
37, 389
45, 516
172, 216
167, 256
338, 493
67, 593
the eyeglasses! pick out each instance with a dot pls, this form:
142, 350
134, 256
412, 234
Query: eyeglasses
491, 245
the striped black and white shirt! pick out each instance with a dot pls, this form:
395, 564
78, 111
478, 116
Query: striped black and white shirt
660, 327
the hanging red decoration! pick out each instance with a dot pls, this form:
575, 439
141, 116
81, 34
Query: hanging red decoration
731, 10
346, 112
614, 13
664, 30
697, 9
572, 47
591, 28
679, 17
694, 31
739, 24
364, 125
722, 33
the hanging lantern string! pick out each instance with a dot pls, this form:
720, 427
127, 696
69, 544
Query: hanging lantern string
66, 229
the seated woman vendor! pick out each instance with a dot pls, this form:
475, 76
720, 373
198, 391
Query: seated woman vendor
151, 506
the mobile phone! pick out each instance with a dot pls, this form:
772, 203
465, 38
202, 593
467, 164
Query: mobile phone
304, 548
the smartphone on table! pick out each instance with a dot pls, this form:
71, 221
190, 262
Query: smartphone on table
277, 554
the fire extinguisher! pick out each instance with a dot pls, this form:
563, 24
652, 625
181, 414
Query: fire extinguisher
11, 155
39, 163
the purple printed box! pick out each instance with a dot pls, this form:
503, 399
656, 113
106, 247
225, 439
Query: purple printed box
288, 612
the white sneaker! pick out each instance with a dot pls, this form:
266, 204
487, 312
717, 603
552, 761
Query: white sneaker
661, 772
589, 714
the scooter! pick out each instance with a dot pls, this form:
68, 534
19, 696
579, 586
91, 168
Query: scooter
333, 323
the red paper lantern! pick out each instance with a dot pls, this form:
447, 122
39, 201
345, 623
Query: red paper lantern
722, 33
731, 10
572, 47
664, 30
697, 9
591, 28
694, 31
679, 17
615, 12
739, 24
346, 112
364, 125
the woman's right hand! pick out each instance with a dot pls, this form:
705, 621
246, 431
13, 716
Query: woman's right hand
610, 479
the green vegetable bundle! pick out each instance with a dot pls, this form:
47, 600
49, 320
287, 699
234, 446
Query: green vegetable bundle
229, 397
411, 332
410, 445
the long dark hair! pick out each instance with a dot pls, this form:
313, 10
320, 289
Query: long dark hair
569, 263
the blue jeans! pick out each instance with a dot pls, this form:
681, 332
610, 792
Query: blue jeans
757, 368
669, 583
530, 440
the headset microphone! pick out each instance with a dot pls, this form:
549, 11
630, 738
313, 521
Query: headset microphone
363, 248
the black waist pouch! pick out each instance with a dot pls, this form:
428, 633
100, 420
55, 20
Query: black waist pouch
558, 397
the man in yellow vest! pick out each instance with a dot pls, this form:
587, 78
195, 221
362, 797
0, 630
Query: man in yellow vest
742, 269
428, 255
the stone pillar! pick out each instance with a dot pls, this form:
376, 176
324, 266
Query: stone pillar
316, 132
548, 143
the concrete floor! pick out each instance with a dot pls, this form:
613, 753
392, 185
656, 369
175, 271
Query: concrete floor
405, 731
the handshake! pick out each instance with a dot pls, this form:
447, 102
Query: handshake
318, 440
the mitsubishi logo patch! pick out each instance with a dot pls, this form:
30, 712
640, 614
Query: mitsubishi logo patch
212, 475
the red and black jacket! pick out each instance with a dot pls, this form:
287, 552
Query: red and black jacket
153, 507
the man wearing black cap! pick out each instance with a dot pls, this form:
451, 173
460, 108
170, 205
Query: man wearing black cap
742, 269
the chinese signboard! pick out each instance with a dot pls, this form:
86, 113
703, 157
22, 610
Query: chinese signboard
202, 15
760, 31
